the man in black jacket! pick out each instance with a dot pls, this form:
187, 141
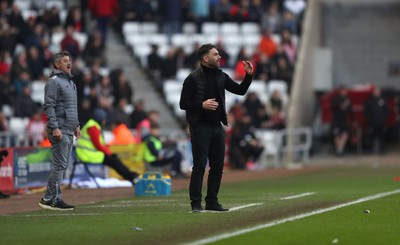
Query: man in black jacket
376, 112
203, 98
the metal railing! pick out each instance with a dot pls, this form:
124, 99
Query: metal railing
18, 139
276, 144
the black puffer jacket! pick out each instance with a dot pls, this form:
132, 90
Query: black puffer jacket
193, 92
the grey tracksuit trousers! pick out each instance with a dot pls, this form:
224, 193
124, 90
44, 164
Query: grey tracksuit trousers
61, 156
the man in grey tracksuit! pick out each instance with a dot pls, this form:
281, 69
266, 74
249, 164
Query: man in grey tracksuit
60, 106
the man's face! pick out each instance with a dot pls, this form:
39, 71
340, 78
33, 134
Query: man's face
64, 64
213, 58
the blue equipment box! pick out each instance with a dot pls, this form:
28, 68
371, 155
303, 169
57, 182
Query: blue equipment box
153, 184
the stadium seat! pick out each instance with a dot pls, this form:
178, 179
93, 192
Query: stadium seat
141, 52
178, 111
229, 71
260, 88
158, 38
232, 40
189, 28
108, 136
172, 92
148, 27
135, 39
210, 28
81, 38
27, 13
182, 73
272, 141
249, 28
63, 15
38, 91
130, 27
104, 71
250, 50
47, 71
251, 40
128, 109
276, 85
58, 4
233, 51
8, 110
18, 124
258, 85
57, 37
231, 99
180, 40
23, 4
199, 38
276, 38
229, 28
280, 85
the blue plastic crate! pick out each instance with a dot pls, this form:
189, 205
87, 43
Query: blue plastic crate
153, 184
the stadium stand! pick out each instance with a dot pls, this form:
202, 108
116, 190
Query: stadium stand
139, 35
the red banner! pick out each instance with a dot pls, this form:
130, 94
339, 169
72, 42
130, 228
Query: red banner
6, 169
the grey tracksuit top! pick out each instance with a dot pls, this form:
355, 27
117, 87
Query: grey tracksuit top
60, 103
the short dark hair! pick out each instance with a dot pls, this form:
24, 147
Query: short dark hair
57, 56
204, 49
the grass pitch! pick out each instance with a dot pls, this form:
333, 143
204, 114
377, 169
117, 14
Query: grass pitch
167, 220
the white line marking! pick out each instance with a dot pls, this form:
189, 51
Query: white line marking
293, 218
298, 196
230, 209
244, 206
59, 214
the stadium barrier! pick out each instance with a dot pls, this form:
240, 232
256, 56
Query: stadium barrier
279, 142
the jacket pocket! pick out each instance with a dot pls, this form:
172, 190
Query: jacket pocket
61, 117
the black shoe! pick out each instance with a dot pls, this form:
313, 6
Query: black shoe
45, 204
197, 208
59, 204
3, 196
216, 207
135, 178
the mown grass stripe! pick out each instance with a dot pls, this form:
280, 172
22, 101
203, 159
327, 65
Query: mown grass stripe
293, 218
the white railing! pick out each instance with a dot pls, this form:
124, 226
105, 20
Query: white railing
276, 144
17, 139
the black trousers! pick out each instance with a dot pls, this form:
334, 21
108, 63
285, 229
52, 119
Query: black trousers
116, 164
208, 143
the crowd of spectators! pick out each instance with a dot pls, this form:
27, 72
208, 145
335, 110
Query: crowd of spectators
274, 59
29, 37
244, 119
27, 43
366, 118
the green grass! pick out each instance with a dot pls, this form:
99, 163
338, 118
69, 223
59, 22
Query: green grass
166, 220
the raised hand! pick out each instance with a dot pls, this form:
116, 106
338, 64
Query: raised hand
248, 67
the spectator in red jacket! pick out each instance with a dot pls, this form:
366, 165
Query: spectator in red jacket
103, 12
69, 43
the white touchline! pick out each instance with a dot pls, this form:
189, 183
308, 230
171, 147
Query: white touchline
231, 209
297, 196
296, 217
244, 206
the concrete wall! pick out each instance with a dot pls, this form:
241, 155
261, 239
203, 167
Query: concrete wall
364, 39
302, 101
